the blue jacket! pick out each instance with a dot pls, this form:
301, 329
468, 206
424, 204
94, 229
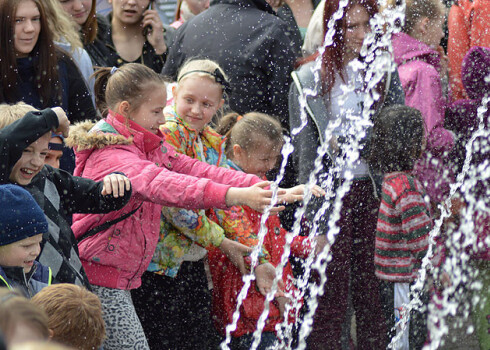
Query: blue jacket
14, 277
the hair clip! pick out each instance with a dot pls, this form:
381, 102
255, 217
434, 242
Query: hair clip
113, 70
239, 117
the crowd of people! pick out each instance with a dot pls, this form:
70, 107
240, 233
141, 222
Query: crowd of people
138, 158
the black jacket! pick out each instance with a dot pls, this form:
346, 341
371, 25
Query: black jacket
247, 40
60, 194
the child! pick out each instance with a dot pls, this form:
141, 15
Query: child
421, 68
21, 320
404, 219
74, 315
21, 231
57, 192
129, 140
253, 144
55, 151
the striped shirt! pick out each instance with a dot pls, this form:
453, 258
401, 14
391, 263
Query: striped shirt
402, 232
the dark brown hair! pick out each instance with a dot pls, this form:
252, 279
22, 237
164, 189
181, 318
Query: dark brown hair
46, 69
248, 130
397, 139
90, 27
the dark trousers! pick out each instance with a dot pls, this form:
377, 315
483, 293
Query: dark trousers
352, 258
175, 312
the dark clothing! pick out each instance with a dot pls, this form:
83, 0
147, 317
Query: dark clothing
14, 277
60, 194
103, 51
181, 306
14, 138
352, 258
246, 38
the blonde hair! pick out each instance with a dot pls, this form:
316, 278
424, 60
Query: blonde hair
62, 26
201, 67
74, 315
248, 130
16, 309
11, 113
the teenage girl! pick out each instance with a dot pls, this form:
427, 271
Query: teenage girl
404, 218
128, 140
421, 67
178, 263
253, 145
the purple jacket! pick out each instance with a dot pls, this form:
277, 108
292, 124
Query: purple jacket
418, 66
462, 118
118, 256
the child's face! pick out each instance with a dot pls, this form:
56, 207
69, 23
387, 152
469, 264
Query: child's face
21, 253
26, 28
197, 99
79, 10
258, 160
150, 114
31, 162
53, 156
434, 32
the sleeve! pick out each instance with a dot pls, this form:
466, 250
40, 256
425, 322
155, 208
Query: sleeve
84, 196
15, 137
80, 107
416, 223
301, 247
457, 46
175, 56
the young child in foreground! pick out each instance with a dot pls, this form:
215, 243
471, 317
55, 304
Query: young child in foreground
22, 225
404, 219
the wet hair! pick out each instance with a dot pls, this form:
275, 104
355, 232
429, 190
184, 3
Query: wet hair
61, 25
90, 28
332, 59
397, 139
74, 315
46, 69
418, 9
131, 82
15, 309
11, 113
204, 68
249, 130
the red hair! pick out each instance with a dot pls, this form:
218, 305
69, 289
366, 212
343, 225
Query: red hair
332, 58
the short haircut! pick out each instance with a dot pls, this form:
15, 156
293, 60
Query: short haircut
397, 139
11, 113
74, 315
15, 309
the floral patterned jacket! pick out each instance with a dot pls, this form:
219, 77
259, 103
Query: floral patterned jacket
180, 228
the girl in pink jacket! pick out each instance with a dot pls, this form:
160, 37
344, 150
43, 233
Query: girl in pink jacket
128, 140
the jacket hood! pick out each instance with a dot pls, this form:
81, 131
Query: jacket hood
406, 48
259, 4
475, 69
89, 135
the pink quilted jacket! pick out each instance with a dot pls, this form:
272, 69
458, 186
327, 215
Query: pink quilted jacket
118, 256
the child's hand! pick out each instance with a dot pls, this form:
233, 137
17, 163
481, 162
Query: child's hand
296, 193
281, 303
320, 243
256, 197
264, 277
64, 123
155, 36
445, 280
235, 252
115, 184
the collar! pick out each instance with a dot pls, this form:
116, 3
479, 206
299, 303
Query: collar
141, 136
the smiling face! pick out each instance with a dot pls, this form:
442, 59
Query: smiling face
260, 159
129, 11
26, 28
79, 10
356, 28
149, 114
21, 253
31, 162
197, 99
